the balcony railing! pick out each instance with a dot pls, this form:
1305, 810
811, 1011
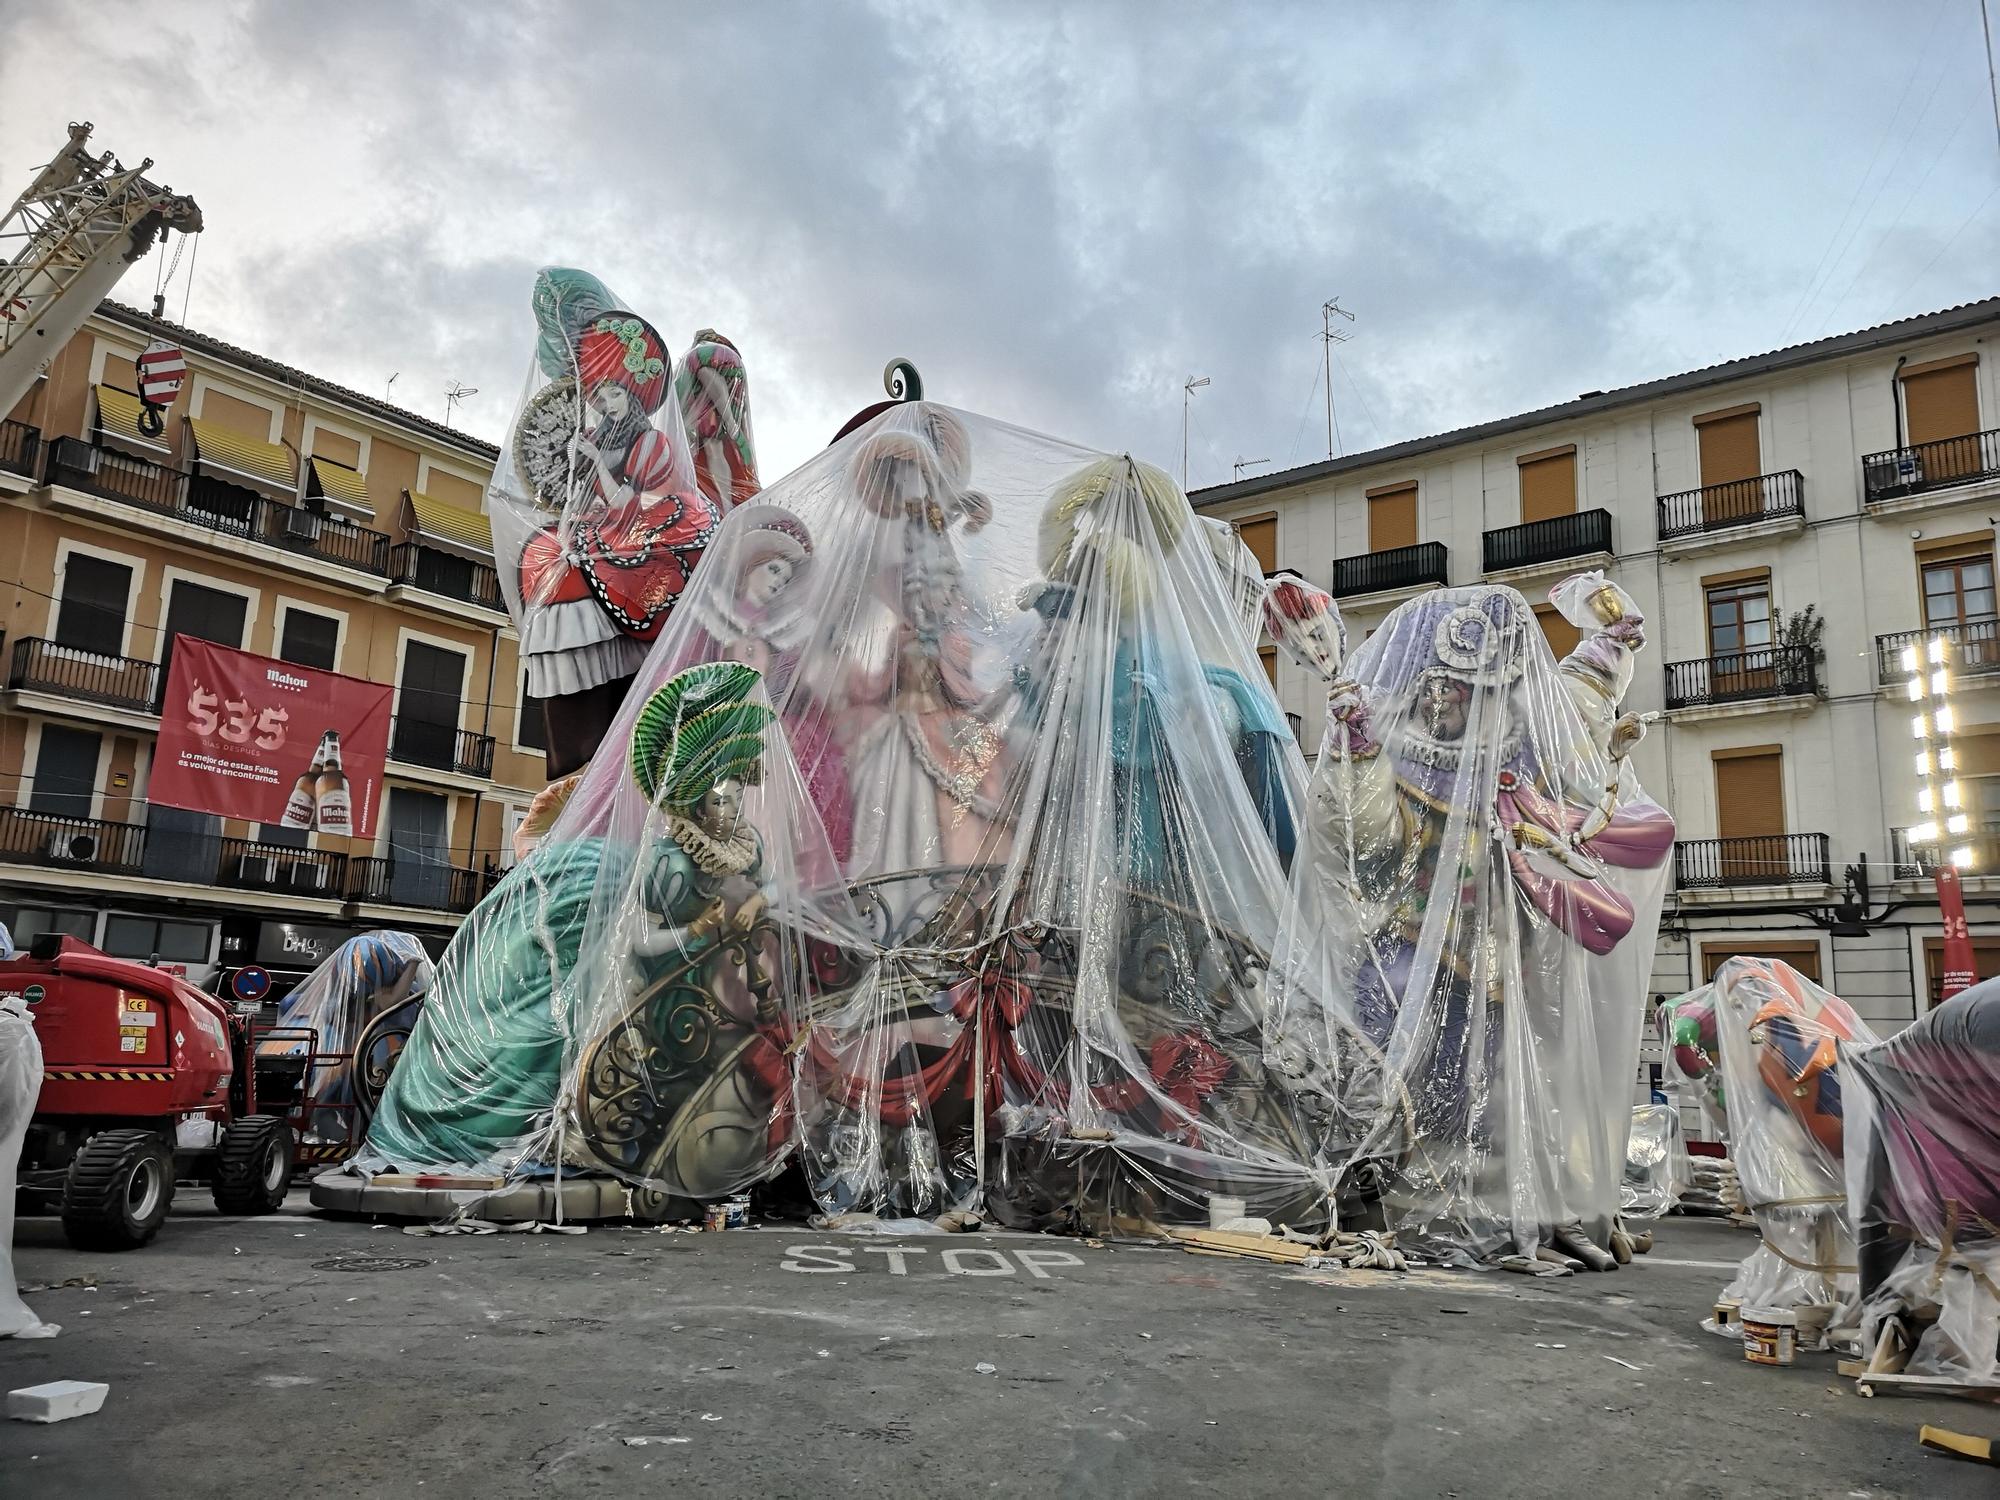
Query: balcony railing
1974, 649
446, 574
1548, 540
1767, 859
39, 838
226, 508
88, 676
1912, 863
1742, 677
20, 447
1741, 502
417, 882
250, 866
1398, 568
1922, 467
442, 747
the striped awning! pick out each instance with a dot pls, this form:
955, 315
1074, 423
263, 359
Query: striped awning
268, 466
345, 487
118, 419
450, 526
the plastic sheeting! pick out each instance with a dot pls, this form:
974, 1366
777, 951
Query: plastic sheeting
1922, 1137
20, 1086
345, 1023
1765, 1051
1656, 1162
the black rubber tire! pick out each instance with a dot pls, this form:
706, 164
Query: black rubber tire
253, 1167
120, 1186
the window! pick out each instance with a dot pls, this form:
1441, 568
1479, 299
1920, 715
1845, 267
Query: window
420, 857
1548, 483
1392, 516
65, 771
1750, 797
206, 614
427, 704
1941, 400
1268, 655
1261, 537
1558, 632
310, 639
91, 616
1958, 590
1732, 461
531, 730
1802, 956
27, 923
128, 936
1985, 964
1739, 617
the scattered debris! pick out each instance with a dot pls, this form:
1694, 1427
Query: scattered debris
1625, 1362
488, 1226
1457, 1312
1552, 1346
648, 1442
87, 1282
959, 1221
983, 1368
57, 1401
1958, 1444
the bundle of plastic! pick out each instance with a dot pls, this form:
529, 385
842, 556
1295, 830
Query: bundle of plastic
1923, 1179
1762, 1046
1656, 1163
345, 1024
600, 506
966, 879
20, 1085
1492, 876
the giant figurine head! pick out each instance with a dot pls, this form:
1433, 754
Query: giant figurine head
1307, 623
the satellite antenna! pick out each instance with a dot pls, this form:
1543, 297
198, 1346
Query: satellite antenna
455, 394
1329, 336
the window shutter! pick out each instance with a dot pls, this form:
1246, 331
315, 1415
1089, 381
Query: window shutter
1941, 403
1392, 518
1561, 635
1976, 754
1548, 486
1730, 452
1261, 537
1750, 795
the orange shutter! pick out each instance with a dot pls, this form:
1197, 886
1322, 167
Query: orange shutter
1548, 486
337, 446
1392, 519
1941, 402
1261, 537
1730, 451
1269, 657
239, 417
1750, 795
1560, 634
1976, 754
1802, 956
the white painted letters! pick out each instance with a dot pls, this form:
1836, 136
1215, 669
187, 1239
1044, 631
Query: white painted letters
816, 1260
1035, 1260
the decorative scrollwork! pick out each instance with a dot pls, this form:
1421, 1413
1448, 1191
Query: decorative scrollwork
901, 380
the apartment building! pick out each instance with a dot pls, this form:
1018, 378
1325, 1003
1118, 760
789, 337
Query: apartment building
1854, 481
281, 514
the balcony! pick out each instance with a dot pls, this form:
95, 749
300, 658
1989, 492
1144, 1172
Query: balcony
1724, 507
1384, 572
1924, 467
1975, 650
57, 840
224, 508
1768, 859
1743, 677
20, 447
1584, 534
291, 869
440, 747
41, 666
446, 574
1912, 863
414, 882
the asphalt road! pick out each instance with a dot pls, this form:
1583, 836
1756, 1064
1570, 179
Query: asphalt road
294, 1357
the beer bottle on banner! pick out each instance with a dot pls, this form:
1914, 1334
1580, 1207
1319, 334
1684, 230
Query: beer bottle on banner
336, 810
301, 806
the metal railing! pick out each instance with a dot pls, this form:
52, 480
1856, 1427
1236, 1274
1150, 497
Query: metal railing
1397, 568
247, 865
1975, 649
1921, 467
441, 747
226, 508
1740, 502
1548, 540
1742, 677
28, 837
43, 666
1765, 859
446, 574
416, 882
1911, 863
20, 447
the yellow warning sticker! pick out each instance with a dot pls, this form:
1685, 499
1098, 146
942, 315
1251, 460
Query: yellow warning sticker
135, 1002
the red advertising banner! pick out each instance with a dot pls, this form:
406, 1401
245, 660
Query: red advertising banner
1960, 971
244, 736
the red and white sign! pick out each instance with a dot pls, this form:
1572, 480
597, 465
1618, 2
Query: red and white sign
244, 736
1961, 972
162, 368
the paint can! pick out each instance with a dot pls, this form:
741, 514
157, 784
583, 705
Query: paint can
1223, 1210
736, 1212
717, 1217
1770, 1335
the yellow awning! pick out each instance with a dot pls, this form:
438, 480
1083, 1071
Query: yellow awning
339, 483
244, 457
118, 417
443, 522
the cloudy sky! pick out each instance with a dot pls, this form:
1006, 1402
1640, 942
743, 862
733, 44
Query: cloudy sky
1059, 211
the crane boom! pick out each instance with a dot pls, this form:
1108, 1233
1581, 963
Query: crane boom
64, 245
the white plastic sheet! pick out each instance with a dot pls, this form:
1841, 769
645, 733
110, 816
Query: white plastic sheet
20, 1086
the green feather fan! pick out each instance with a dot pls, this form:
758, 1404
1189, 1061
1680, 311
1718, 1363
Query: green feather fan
691, 715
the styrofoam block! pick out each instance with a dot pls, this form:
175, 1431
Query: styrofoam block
57, 1401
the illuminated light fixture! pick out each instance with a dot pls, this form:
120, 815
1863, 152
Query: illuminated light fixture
1920, 727
1944, 719
1957, 824
1924, 833
1950, 795
1916, 689
1924, 762
1910, 658
1962, 857
1937, 649
1924, 800
1948, 759
1940, 682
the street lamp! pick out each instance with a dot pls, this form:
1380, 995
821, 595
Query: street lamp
1940, 799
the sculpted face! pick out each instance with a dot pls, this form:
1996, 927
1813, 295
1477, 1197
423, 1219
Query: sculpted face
721, 812
1317, 640
612, 399
768, 579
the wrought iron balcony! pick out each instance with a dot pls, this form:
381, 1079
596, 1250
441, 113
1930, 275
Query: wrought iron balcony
1922, 467
1974, 649
441, 747
446, 574
1741, 502
1398, 568
228, 509
1742, 677
41, 666
1550, 540
20, 447
1767, 859
1912, 863
417, 882
247, 865
28, 837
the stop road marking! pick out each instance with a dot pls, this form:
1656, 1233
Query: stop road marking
960, 1260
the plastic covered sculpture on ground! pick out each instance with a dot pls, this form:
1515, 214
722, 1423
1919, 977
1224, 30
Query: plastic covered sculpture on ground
990, 922
1922, 1140
600, 505
343, 1027
1656, 1162
20, 1085
1762, 1047
1492, 874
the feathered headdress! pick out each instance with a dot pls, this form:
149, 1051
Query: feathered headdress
697, 731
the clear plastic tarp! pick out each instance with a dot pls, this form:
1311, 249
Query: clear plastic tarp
1764, 1049
1923, 1177
1656, 1162
20, 1086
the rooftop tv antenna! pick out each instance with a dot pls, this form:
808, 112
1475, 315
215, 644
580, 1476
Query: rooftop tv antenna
1236, 469
389, 388
1187, 395
1329, 336
454, 394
